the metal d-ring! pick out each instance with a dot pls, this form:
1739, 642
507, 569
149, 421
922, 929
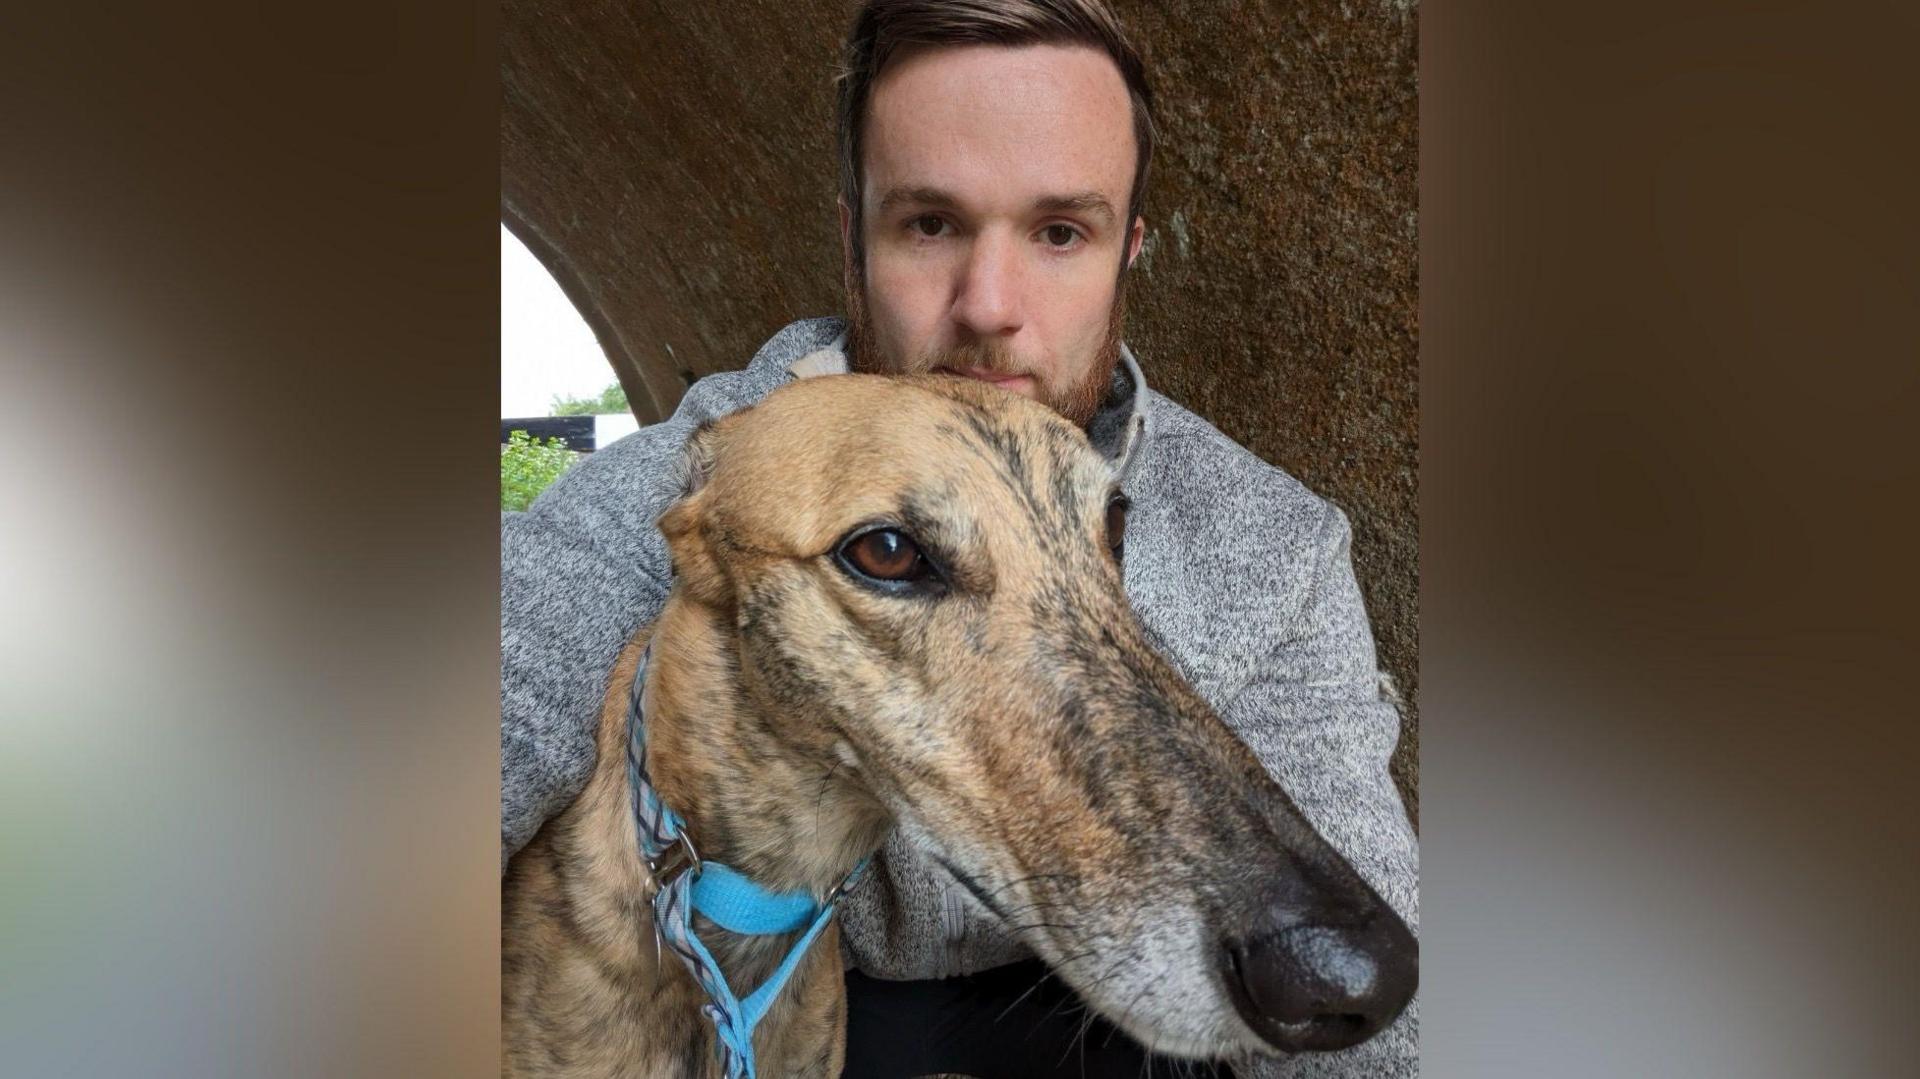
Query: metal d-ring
673, 861
846, 882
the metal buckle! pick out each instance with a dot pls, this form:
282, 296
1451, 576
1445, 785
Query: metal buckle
840, 889
674, 861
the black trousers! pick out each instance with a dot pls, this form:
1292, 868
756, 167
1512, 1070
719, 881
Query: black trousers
1016, 1022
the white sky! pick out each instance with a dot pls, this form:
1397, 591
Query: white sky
546, 348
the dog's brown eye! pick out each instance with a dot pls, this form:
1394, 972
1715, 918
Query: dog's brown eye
887, 555
1117, 526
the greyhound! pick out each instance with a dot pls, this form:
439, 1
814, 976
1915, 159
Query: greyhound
898, 604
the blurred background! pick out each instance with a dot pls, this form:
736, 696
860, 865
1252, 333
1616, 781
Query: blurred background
249, 272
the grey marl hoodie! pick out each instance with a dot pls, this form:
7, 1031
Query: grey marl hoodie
1241, 576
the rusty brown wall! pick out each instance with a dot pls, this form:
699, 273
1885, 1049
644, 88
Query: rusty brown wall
673, 166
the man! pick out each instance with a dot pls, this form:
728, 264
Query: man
993, 158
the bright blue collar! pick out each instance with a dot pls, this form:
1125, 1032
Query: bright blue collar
725, 896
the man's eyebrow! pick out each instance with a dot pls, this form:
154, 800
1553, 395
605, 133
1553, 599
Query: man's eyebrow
916, 196
1087, 202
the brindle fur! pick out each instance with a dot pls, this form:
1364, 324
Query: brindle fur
585, 993
1019, 729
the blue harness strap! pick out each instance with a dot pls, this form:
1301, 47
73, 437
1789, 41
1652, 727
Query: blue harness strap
731, 900
721, 894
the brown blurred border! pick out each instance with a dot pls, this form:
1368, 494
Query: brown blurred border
1669, 370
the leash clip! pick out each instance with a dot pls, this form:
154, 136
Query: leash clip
846, 883
673, 861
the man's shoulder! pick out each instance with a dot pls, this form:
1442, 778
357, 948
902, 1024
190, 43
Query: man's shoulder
1231, 548
794, 342
770, 368
1213, 479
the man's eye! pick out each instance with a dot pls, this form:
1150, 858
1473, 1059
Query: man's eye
928, 225
1061, 235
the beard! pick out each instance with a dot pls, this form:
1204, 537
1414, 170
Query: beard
1077, 400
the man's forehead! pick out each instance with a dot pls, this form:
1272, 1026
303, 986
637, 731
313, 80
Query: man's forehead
1029, 121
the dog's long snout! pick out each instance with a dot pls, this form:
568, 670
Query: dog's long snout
1307, 986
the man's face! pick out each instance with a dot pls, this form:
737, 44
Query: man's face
994, 220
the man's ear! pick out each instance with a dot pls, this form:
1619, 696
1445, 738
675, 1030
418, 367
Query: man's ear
684, 524
1138, 233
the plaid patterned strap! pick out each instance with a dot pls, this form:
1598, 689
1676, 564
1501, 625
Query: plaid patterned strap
675, 865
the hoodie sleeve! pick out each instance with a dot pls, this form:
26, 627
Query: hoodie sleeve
909, 920
581, 571
1317, 718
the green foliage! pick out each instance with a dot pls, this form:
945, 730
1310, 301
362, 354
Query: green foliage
528, 465
611, 402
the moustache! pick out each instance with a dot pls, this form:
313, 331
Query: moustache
993, 358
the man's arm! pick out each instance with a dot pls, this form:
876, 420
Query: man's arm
1317, 719
908, 919
580, 572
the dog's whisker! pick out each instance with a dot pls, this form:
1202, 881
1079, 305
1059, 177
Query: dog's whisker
1128, 1013
1024, 926
1086, 1021
819, 799
1030, 879
1042, 980
1029, 908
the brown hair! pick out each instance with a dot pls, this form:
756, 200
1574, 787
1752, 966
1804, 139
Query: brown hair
884, 27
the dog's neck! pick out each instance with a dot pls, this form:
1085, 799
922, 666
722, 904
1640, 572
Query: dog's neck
762, 792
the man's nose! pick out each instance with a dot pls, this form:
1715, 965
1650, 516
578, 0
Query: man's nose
990, 301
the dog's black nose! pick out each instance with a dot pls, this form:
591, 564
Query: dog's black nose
1320, 987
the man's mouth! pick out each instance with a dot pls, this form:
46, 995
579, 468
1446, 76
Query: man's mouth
1016, 383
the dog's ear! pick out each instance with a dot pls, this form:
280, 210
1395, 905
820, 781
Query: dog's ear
695, 465
684, 523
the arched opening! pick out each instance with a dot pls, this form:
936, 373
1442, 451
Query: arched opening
551, 362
